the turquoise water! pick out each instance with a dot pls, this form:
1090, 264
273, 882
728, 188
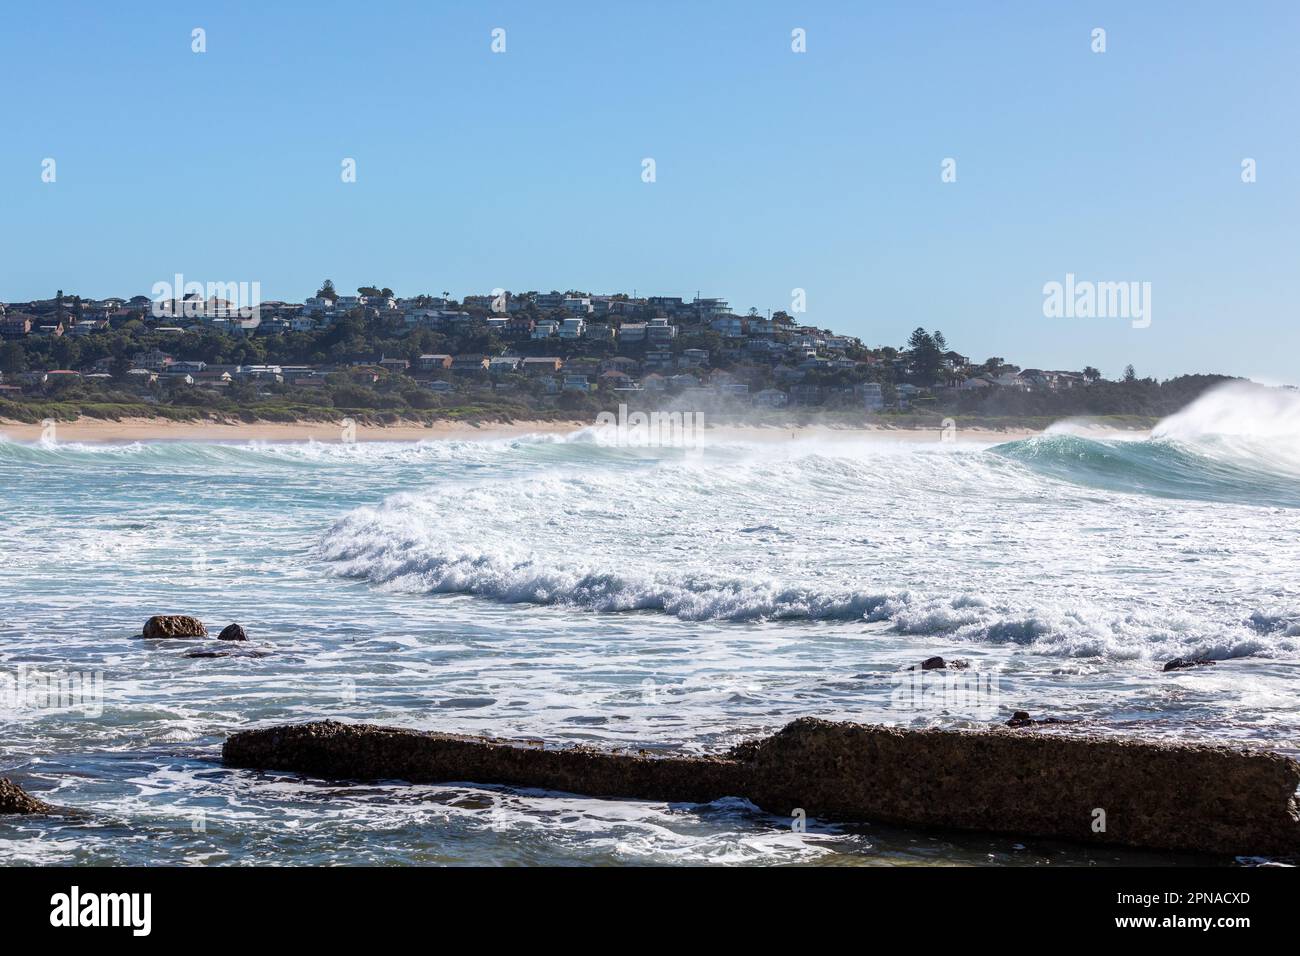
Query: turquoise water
565, 589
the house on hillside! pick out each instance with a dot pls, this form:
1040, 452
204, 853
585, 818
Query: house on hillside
659, 332
631, 333
541, 365
470, 364
433, 362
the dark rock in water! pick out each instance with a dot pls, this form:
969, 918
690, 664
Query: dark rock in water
368, 752
939, 664
1157, 794
233, 632
174, 625
13, 799
228, 654
1021, 718
1181, 663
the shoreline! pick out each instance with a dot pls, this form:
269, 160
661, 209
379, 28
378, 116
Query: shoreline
127, 430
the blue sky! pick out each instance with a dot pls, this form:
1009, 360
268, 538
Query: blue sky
775, 170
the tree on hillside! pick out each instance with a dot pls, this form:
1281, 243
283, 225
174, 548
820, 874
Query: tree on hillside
326, 291
926, 356
1129, 374
13, 358
1091, 374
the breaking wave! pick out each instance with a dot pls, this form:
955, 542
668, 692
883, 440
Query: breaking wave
1057, 545
367, 546
1238, 443
531, 580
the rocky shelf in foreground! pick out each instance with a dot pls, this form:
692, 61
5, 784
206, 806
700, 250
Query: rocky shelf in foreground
1089, 789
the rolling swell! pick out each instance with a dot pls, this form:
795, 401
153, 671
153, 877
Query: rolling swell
1238, 443
1210, 469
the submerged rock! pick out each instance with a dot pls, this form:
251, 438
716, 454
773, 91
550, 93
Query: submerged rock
939, 664
1181, 663
228, 654
174, 625
233, 632
14, 799
1148, 793
1021, 718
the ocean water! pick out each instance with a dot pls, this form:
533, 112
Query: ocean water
566, 588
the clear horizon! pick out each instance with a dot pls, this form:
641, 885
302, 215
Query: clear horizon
774, 170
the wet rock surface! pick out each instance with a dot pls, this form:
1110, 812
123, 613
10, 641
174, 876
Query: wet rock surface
939, 664
1155, 794
1163, 795
233, 632
237, 653
1182, 663
173, 625
368, 752
1021, 718
14, 799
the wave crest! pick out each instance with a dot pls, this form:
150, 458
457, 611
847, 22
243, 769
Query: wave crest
382, 545
360, 550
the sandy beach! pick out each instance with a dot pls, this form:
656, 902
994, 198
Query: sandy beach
152, 429
155, 429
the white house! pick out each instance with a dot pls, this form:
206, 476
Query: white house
631, 332
659, 332
873, 397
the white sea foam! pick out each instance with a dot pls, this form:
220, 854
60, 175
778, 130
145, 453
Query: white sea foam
553, 587
918, 541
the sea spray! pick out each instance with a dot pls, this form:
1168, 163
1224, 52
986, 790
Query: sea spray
773, 579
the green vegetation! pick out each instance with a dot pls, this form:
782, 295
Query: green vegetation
919, 386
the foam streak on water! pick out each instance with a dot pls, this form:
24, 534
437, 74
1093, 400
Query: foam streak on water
575, 591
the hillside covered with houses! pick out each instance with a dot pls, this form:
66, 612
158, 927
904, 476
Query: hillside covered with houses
508, 355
